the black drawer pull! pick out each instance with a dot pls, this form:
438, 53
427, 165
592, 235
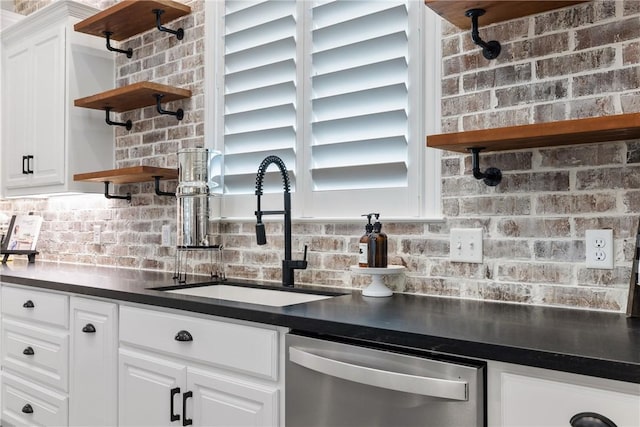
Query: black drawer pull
28, 304
29, 158
27, 409
24, 165
172, 415
28, 351
186, 421
183, 336
591, 419
89, 328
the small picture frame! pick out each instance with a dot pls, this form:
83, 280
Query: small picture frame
22, 234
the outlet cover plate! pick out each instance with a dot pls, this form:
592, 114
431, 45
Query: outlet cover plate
599, 249
465, 245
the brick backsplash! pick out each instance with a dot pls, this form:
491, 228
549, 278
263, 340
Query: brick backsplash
575, 62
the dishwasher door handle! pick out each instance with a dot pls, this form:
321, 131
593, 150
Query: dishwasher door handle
426, 386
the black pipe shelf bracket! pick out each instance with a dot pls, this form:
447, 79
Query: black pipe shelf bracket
491, 176
179, 33
490, 49
128, 125
107, 35
179, 113
157, 188
111, 196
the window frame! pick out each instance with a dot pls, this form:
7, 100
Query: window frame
424, 174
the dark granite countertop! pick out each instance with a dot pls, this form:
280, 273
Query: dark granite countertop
599, 344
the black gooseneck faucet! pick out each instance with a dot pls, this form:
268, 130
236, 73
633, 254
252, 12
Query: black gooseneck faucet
288, 264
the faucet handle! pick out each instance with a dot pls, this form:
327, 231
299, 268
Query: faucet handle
302, 263
296, 264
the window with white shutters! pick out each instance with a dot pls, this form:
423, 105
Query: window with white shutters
337, 90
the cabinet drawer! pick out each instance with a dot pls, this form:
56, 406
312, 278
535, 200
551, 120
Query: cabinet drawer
39, 353
36, 306
25, 403
233, 346
535, 402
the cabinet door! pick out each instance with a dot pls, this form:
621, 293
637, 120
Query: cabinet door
16, 129
150, 390
227, 402
34, 110
93, 389
48, 107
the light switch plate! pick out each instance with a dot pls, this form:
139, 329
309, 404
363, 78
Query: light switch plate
599, 249
465, 245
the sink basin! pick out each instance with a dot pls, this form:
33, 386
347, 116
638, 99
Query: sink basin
271, 297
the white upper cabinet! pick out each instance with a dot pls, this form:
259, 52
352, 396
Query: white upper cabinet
45, 139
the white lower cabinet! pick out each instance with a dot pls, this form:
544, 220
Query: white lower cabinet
176, 394
93, 378
71, 360
195, 371
35, 357
59, 359
521, 396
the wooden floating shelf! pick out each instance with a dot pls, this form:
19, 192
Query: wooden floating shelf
569, 132
128, 18
137, 95
496, 10
128, 175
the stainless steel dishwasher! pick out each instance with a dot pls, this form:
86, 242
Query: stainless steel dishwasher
334, 383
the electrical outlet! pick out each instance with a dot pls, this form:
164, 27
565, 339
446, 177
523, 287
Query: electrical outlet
465, 245
166, 235
599, 248
97, 234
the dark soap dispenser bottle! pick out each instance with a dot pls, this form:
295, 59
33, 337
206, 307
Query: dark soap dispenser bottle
363, 246
377, 246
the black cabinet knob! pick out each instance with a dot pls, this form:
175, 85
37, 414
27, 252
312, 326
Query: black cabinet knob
28, 304
183, 336
27, 409
591, 419
28, 351
89, 328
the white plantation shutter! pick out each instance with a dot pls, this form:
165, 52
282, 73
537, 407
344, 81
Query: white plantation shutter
260, 90
336, 89
360, 99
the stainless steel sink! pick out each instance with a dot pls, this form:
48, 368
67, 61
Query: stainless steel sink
251, 295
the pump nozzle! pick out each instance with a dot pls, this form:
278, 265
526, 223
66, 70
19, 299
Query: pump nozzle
369, 215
